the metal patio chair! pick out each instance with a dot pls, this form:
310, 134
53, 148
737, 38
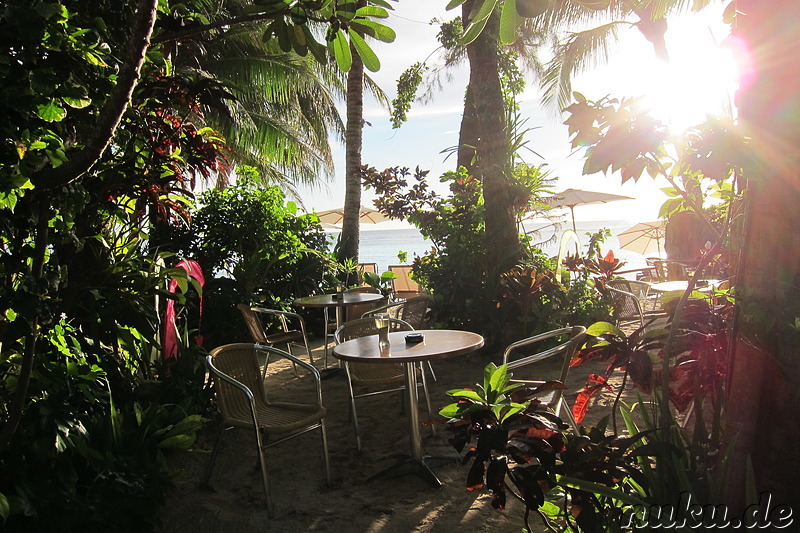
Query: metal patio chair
243, 403
514, 357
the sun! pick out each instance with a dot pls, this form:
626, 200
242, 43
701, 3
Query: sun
699, 78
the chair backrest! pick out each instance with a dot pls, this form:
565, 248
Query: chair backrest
368, 267
571, 338
361, 327
351, 312
670, 270
415, 311
626, 307
364, 268
573, 335
240, 362
403, 286
253, 323
637, 288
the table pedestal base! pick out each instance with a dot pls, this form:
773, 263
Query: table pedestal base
420, 467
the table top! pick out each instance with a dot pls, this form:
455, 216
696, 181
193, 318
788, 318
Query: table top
437, 343
681, 285
327, 300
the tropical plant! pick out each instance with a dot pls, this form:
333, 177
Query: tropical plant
522, 449
254, 247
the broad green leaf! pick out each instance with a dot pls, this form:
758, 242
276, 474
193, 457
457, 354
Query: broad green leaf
374, 29
176, 442
601, 328
487, 374
37, 145
77, 103
11, 315
499, 378
372, 11
483, 10
454, 3
597, 488
300, 43
51, 112
450, 411
473, 31
5, 508
466, 394
509, 22
346, 11
369, 57
341, 51
316, 49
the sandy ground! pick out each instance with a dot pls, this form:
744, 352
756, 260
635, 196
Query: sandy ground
353, 503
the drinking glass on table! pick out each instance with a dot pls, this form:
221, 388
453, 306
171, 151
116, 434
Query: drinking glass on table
382, 325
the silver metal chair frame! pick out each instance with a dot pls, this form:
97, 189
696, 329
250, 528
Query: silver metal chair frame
395, 324
257, 397
568, 347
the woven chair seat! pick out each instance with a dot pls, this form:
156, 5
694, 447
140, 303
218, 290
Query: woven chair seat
275, 418
368, 374
284, 337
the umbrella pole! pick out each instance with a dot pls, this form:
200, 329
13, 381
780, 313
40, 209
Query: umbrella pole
572, 210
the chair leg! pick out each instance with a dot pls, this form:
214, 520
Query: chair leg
427, 397
213, 459
308, 350
325, 337
262, 459
353, 412
430, 369
290, 352
324, 432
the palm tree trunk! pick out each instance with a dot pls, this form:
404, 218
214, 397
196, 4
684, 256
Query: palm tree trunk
483, 127
764, 392
354, 134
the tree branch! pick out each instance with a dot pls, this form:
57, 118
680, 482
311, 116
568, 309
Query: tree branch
110, 116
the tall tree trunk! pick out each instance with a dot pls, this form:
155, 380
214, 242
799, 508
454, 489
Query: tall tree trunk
354, 135
764, 393
483, 127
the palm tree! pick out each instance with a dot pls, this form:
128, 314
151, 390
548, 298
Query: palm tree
577, 51
354, 135
283, 111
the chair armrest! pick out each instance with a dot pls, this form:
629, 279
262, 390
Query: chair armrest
283, 315
575, 334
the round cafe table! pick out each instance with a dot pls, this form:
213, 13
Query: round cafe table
436, 344
339, 301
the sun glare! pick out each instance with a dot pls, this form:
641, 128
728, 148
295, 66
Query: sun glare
700, 77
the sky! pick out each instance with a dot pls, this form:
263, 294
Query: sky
698, 79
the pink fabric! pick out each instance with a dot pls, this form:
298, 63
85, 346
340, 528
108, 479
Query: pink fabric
193, 270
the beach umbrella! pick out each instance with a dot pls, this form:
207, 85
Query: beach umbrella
572, 197
366, 215
644, 238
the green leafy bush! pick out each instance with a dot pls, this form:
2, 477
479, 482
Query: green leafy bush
254, 247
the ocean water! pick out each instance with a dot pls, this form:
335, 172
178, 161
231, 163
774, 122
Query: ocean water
382, 246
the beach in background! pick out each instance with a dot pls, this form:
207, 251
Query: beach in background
381, 246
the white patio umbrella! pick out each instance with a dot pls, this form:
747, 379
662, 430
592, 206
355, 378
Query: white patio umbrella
366, 215
644, 238
572, 197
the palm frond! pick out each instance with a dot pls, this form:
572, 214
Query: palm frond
578, 52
